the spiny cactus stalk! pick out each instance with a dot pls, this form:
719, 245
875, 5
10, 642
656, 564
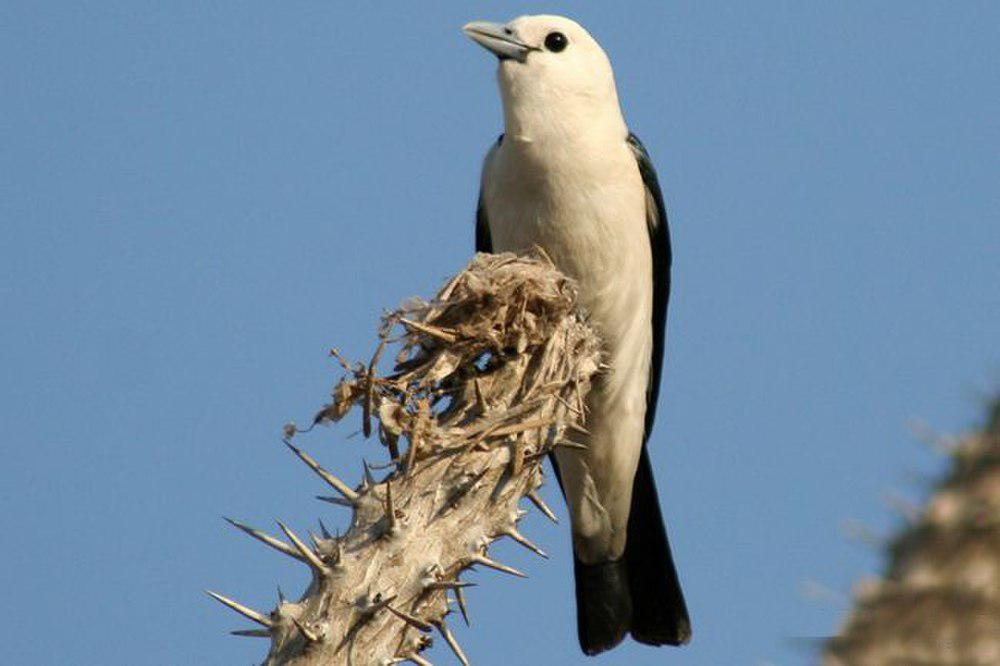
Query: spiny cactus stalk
939, 602
490, 376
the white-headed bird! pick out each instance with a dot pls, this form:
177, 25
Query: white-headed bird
568, 176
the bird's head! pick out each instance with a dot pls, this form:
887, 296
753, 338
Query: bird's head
553, 75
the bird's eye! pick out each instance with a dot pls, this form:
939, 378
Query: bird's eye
555, 42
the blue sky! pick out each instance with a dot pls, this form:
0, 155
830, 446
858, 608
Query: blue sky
198, 199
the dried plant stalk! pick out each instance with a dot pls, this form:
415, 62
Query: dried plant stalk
939, 602
488, 379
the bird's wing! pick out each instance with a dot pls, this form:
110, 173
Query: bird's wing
484, 242
659, 243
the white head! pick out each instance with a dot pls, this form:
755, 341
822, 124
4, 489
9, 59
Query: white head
555, 80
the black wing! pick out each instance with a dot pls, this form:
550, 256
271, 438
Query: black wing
484, 242
659, 244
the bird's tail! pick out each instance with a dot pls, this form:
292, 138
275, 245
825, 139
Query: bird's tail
639, 592
659, 614
603, 604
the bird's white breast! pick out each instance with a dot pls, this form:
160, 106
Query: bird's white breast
585, 205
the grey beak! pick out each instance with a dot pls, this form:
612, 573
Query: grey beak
499, 39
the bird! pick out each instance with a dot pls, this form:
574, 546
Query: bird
569, 177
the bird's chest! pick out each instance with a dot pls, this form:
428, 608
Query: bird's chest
587, 213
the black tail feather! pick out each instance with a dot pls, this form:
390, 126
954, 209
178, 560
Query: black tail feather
603, 606
659, 614
639, 592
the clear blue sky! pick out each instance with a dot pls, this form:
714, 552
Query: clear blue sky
198, 199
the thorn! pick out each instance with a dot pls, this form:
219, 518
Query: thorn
480, 398
414, 622
366, 405
449, 585
377, 356
567, 444
252, 633
411, 453
334, 352
418, 660
246, 612
393, 444
390, 511
903, 506
333, 481
379, 605
307, 553
493, 564
339, 501
567, 405
265, 538
322, 529
369, 479
281, 596
452, 643
433, 331
416, 434
309, 635
542, 506
521, 539
460, 598
858, 531
515, 428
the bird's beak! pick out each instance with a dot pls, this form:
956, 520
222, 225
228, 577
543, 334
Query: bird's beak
499, 39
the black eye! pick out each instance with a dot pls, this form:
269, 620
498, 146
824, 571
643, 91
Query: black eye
555, 42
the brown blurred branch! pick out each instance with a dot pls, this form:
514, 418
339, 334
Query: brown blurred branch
939, 601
